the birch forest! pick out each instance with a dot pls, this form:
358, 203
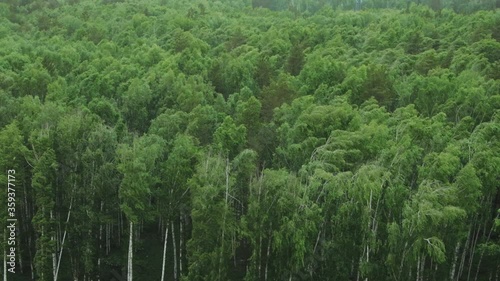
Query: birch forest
250, 140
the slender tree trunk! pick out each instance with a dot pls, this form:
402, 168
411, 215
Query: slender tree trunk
56, 273
259, 257
181, 242
422, 268
409, 272
267, 259
31, 259
130, 252
371, 227
482, 252
175, 251
358, 274
473, 250
455, 259
311, 269
54, 258
164, 254
259, 253
268, 252
418, 268
42, 246
402, 262
100, 247
221, 258
464, 253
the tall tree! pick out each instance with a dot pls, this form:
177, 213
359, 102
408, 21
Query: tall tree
137, 162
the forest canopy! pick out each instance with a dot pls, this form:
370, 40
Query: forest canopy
251, 140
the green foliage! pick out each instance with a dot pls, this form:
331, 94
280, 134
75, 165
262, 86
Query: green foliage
137, 162
229, 138
282, 140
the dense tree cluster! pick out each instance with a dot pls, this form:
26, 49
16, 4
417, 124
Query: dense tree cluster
219, 140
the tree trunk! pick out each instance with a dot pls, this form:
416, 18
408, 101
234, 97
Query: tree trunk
455, 258
175, 251
482, 252
130, 252
100, 247
371, 227
259, 257
422, 267
221, 259
181, 239
31, 259
464, 253
259, 253
358, 275
472, 252
164, 254
54, 259
56, 272
418, 269
268, 252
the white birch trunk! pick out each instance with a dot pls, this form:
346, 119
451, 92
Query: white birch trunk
464, 254
130, 252
455, 258
268, 252
42, 246
259, 254
180, 244
164, 254
100, 248
224, 219
482, 252
358, 275
472, 252
54, 259
175, 251
56, 272
371, 228
31, 260
418, 269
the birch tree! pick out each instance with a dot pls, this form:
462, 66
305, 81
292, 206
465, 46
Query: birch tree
137, 161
